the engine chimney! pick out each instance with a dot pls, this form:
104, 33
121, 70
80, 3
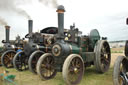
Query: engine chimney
60, 10
30, 26
7, 33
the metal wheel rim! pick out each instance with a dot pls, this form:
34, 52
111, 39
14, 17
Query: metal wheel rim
35, 60
8, 57
47, 66
105, 56
122, 69
75, 70
21, 62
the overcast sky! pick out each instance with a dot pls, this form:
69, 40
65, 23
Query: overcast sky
108, 16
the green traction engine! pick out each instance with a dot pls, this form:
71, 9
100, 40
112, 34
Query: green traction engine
73, 52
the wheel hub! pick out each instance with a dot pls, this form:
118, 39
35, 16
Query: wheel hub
48, 66
76, 70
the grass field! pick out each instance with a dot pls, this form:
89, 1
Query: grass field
91, 77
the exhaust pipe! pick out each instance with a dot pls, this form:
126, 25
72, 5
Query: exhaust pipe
60, 10
7, 31
30, 26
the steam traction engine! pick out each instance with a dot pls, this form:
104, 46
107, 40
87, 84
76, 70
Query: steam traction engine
120, 72
47, 37
38, 44
9, 49
72, 52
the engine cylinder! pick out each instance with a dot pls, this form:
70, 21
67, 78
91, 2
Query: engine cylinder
64, 49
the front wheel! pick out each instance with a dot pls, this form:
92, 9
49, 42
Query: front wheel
7, 58
33, 60
73, 69
120, 72
45, 66
20, 61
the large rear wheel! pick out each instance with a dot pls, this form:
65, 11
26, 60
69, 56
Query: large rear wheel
120, 72
34, 57
45, 66
7, 58
73, 69
20, 61
102, 56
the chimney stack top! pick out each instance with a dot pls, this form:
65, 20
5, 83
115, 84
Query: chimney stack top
7, 27
60, 9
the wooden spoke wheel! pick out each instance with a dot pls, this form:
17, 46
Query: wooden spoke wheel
45, 66
102, 56
33, 60
120, 71
73, 69
20, 61
7, 58
126, 49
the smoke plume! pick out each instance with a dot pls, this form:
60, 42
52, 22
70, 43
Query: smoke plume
53, 3
23, 13
11, 5
2, 21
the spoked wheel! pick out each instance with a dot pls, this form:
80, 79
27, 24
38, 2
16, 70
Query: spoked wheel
102, 56
33, 60
7, 58
120, 72
0, 59
73, 69
45, 66
20, 61
126, 49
